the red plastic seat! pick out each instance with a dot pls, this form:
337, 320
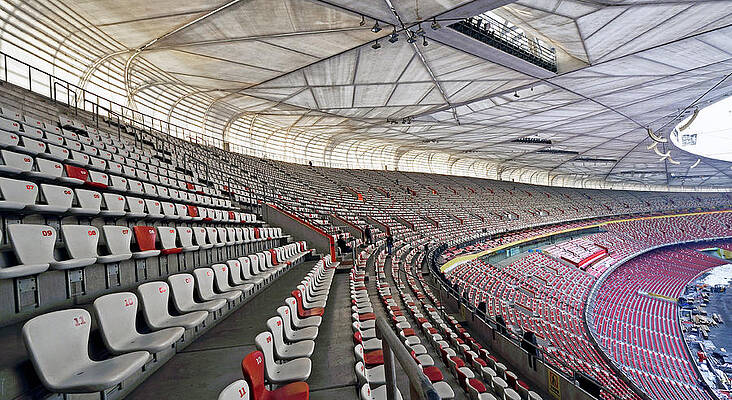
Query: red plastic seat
477, 385
75, 172
302, 312
145, 237
375, 357
252, 366
192, 211
433, 374
366, 316
408, 332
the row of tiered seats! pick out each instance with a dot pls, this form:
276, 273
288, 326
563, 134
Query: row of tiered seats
57, 342
282, 359
635, 316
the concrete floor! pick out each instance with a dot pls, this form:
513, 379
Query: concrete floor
213, 361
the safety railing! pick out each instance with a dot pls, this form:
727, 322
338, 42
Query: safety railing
420, 386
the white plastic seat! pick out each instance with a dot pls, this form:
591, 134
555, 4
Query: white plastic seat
169, 210
113, 205
81, 245
154, 210
379, 393
58, 343
205, 286
15, 163
168, 236
290, 371
284, 351
89, 202
33, 246
238, 390
117, 314
47, 169
294, 335
17, 194
222, 274
154, 297
298, 322
183, 286
374, 375
246, 271
199, 233
135, 207
213, 237
117, 240
185, 235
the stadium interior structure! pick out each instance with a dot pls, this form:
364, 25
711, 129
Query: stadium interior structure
383, 199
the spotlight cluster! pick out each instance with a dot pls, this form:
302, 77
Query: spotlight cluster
412, 36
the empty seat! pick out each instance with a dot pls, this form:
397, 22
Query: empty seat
113, 205
17, 194
290, 371
145, 237
183, 286
135, 207
154, 297
185, 235
58, 344
15, 163
252, 367
47, 169
33, 246
199, 234
222, 275
284, 351
238, 390
117, 314
81, 246
168, 240
205, 286
88, 202
117, 240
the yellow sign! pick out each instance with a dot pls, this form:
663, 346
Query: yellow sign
553, 384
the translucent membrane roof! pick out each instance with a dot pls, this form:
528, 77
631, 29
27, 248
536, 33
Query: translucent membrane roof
305, 80
708, 133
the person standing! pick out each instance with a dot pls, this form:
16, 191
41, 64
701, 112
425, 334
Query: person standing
389, 243
367, 235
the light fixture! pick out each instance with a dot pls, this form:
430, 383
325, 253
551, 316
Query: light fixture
516, 95
411, 37
363, 21
424, 42
376, 28
420, 31
376, 45
435, 26
394, 36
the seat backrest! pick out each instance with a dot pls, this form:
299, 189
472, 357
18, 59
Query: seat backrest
181, 210
204, 282
136, 205
168, 208
23, 192
222, 235
182, 286
89, 199
254, 263
265, 344
57, 343
57, 195
81, 240
49, 167
185, 234
262, 261
246, 267
145, 236
116, 314
153, 206
154, 298
33, 244
200, 235
275, 326
213, 235
238, 390
231, 234
167, 236
20, 161
252, 367
192, 211
117, 239
284, 313
114, 202
235, 271
221, 273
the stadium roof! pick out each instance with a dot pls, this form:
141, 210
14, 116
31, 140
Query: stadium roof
300, 80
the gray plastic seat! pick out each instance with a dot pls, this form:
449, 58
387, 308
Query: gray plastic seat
113, 205
89, 202
295, 335
183, 286
58, 343
277, 373
238, 390
246, 271
135, 207
117, 240
298, 322
284, 351
378, 393
117, 314
222, 274
205, 286
213, 236
47, 169
55, 199
199, 233
33, 246
154, 297
185, 235
17, 194
15, 163
81, 244
374, 375
236, 275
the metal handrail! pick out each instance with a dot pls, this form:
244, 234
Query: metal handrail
419, 385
